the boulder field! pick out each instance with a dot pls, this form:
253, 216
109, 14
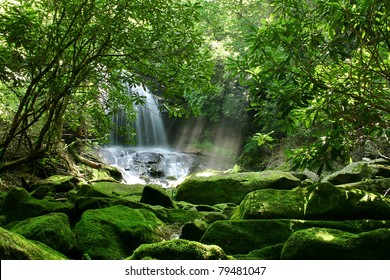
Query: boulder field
211, 215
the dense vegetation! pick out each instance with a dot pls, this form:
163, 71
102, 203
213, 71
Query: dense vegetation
313, 74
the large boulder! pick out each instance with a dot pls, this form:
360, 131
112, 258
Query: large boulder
213, 188
332, 244
321, 201
51, 229
357, 171
20, 205
113, 233
178, 250
55, 184
13, 246
242, 237
155, 195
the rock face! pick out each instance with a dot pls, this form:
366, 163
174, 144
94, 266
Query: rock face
320, 201
208, 188
114, 232
331, 244
51, 229
178, 250
15, 247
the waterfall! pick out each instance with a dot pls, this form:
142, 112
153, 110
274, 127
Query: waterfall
151, 160
149, 125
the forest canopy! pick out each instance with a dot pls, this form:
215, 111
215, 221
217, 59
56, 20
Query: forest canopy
314, 70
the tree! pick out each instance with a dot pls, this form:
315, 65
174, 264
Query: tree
64, 63
324, 65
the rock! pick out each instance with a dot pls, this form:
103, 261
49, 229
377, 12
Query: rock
354, 172
113, 233
15, 247
321, 201
267, 253
51, 229
178, 250
214, 188
194, 230
242, 237
54, 184
154, 195
20, 205
332, 244
111, 189
370, 185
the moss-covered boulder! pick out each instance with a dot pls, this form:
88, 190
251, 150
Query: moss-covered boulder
51, 229
357, 171
113, 233
371, 185
20, 205
194, 230
155, 195
321, 201
178, 249
242, 237
332, 244
54, 185
13, 246
210, 188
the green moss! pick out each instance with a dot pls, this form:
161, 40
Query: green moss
51, 229
15, 247
320, 201
178, 250
325, 244
208, 188
114, 232
19, 205
243, 236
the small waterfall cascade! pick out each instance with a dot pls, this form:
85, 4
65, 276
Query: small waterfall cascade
151, 160
149, 125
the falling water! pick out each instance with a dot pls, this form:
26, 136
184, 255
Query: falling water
149, 125
151, 160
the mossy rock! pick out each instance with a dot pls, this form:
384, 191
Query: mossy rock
14, 246
332, 244
354, 172
194, 230
20, 205
322, 201
111, 189
52, 229
54, 184
210, 188
113, 233
178, 250
267, 253
371, 185
155, 195
241, 237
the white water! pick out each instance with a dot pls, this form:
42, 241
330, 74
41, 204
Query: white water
151, 160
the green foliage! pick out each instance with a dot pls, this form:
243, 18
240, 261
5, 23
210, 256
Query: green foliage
321, 65
65, 64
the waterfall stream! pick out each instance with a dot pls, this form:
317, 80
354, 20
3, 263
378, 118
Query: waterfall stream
151, 160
